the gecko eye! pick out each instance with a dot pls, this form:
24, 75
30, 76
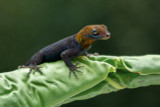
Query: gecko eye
94, 31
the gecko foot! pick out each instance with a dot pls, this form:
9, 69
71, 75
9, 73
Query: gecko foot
33, 68
73, 69
89, 55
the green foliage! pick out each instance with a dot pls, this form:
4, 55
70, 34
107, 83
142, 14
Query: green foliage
101, 74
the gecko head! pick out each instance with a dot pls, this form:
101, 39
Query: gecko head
92, 33
95, 32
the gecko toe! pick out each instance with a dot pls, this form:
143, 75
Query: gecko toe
75, 74
79, 71
22, 66
73, 69
40, 70
28, 74
33, 68
76, 66
70, 73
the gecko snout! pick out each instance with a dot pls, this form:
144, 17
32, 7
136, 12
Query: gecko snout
108, 34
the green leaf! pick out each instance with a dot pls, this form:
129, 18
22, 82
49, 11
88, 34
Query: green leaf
101, 74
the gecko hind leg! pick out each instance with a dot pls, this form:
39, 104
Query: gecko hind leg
33, 68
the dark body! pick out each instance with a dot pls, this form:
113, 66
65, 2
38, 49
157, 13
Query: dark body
53, 52
67, 47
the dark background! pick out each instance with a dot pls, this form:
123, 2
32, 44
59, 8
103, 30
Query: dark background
28, 25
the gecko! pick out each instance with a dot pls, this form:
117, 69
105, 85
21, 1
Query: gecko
69, 47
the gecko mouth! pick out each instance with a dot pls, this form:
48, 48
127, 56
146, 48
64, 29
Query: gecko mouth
106, 36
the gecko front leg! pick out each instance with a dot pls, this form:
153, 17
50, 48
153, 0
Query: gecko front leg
66, 55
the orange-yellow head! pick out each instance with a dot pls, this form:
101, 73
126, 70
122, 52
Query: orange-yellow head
91, 33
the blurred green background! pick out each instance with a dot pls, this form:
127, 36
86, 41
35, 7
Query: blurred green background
28, 25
